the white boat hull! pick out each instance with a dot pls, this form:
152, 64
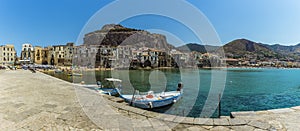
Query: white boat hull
158, 99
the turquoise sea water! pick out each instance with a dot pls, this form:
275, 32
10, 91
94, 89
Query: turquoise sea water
245, 89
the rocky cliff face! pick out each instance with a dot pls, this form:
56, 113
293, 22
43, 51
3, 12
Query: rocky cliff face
115, 35
197, 47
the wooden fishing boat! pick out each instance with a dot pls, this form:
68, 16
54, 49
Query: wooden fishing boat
153, 100
58, 71
74, 74
99, 87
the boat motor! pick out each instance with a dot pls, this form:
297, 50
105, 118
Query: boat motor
99, 84
180, 86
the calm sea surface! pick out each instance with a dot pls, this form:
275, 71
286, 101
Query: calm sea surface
244, 89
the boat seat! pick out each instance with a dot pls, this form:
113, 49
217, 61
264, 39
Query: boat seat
149, 96
166, 96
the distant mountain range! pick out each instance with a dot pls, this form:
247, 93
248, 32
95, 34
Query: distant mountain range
115, 35
242, 48
290, 51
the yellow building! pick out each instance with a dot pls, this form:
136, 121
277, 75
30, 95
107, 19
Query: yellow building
7, 55
38, 59
45, 56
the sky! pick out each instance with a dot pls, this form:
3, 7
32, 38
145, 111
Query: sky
53, 22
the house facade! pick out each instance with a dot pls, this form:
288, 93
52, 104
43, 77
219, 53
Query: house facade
27, 54
7, 55
38, 59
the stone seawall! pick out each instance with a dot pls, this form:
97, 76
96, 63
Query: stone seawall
35, 101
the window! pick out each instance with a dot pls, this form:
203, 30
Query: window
4, 48
4, 54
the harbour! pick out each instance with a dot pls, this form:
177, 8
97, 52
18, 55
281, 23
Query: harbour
182, 65
263, 91
25, 104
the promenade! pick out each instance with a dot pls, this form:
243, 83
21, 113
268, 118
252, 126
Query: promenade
35, 101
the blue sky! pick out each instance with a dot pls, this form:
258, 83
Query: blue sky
52, 22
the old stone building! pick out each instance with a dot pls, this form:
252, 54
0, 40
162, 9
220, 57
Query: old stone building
27, 54
8, 54
85, 55
68, 54
45, 56
38, 59
59, 55
125, 54
51, 56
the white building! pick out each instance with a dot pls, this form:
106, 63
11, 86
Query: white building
27, 54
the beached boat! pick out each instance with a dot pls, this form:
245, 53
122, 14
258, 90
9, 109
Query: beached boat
58, 71
74, 74
32, 70
108, 89
153, 100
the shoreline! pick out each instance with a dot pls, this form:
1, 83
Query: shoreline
166, 68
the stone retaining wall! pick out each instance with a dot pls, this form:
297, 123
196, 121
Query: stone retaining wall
223, 123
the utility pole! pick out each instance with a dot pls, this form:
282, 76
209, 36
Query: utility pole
219, 105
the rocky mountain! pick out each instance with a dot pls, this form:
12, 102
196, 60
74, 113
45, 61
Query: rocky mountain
116, 35
290, 51
248, 49
197, 47
245, 48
